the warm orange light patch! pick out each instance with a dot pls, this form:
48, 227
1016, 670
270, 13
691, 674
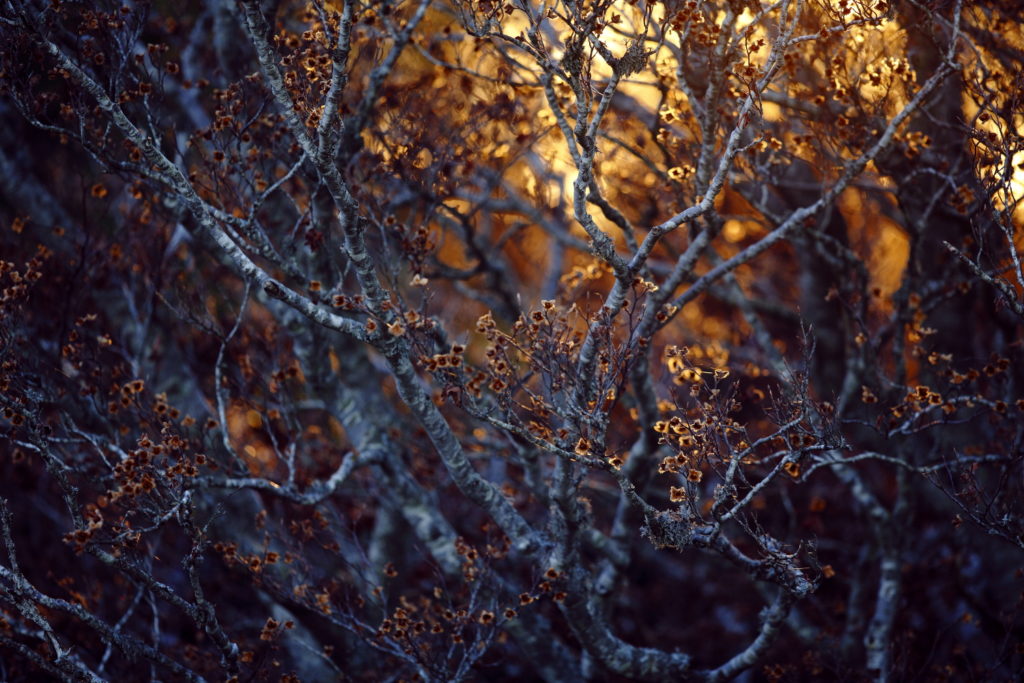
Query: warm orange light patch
243, 423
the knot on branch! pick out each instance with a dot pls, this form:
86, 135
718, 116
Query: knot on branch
273, 289
587, 143
781, 568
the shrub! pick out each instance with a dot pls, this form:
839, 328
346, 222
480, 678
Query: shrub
488, 341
